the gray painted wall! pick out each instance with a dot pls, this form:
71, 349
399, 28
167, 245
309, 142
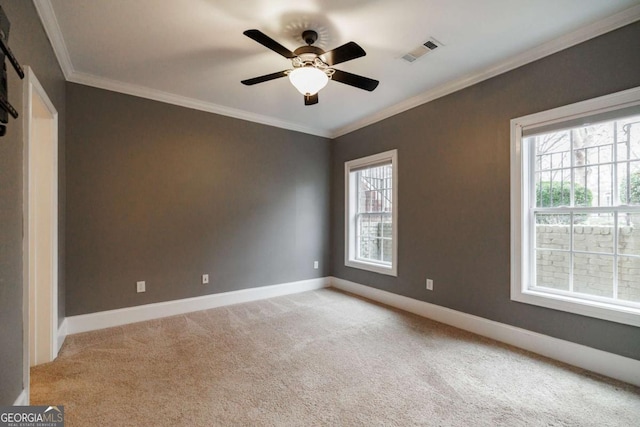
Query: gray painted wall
29, 43
162, 193
453, 156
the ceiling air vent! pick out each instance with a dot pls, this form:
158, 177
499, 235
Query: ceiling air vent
426, 47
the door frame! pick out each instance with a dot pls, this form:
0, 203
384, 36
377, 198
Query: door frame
31, 88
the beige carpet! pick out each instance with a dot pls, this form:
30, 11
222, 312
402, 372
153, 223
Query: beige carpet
317, 358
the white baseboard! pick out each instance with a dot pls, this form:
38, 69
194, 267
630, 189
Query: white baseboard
22, 400
601, 362
123, 316
604, 363
62, 334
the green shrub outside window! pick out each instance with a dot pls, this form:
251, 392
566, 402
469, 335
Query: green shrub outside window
635, 190
554, 193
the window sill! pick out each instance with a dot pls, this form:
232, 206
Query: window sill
599, 310
369, 266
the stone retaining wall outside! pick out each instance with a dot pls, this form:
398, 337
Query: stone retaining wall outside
593, 274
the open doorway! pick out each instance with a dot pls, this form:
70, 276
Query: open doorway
40, 226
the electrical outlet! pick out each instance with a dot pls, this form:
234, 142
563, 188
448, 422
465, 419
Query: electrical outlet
429, 284
315, 264
205, 279
140, 286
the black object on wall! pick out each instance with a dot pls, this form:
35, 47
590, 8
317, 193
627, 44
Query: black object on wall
6, 107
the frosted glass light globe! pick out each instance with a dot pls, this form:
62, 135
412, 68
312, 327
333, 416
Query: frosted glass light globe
308, 80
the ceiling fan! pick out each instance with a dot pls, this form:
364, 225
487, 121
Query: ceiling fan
312, 66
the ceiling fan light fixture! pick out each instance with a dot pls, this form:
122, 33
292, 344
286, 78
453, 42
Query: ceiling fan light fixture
312, 66
309, 80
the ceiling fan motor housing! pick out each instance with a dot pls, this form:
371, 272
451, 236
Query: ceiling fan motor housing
308, 51
310, 56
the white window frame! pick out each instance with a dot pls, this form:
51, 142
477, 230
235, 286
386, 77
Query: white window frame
350, 204
521, 223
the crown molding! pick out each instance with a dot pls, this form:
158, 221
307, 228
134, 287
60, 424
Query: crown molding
583, 34
195, 104
50, 23
51, 27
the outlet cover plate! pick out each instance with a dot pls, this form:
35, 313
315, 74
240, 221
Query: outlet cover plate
141, 286
429, 284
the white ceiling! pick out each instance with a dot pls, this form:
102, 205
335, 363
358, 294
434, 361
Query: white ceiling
193, 52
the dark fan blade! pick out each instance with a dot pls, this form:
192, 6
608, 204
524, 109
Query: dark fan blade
355, 80
344, 53
310, 99
264, 78
270, 43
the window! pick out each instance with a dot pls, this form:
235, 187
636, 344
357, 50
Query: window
371, 214
575, 208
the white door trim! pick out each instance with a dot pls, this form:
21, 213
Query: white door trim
31, 88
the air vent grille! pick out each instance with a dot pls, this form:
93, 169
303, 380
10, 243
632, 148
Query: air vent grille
430, 45
426, 47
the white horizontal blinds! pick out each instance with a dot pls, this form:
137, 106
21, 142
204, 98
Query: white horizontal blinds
589, 119
373, 164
